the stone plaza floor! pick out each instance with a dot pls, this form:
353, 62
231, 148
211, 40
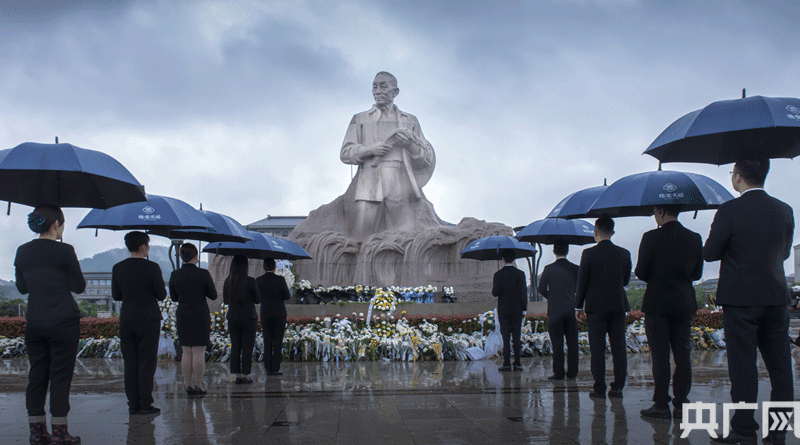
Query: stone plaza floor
374, 403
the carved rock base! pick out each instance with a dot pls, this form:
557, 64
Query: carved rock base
389, 258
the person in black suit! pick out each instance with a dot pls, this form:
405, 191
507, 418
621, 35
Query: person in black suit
189, 286
670, 259
604, 272
137, 282
752, 236
48, 271
240, 292
558, 284
512, 302
274, 292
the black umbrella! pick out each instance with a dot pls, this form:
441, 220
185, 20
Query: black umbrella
636, 195
488, 248
262, 246
65, 175
159, 215
550, 230
224, 228
577, 204
724, 132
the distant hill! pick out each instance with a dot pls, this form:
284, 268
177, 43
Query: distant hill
103, 262
8, 291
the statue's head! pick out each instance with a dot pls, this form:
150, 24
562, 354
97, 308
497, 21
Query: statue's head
384, 88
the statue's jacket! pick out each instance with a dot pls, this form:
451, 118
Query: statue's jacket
388, 176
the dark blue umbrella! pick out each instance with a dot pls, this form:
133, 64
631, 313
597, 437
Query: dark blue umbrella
262, 246
550, 230
723, 132
488, 248
66, 176
577, 204
224, 228
635, 195
158, 213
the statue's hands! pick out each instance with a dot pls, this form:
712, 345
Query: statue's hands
404, 137
379, 149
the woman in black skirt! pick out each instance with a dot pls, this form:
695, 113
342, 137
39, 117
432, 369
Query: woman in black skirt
48, 271
241, 293
189, 286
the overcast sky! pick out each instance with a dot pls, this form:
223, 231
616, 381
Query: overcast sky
243, 106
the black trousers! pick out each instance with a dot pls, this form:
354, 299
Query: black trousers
139, 345
274, 328
243, 338
52, 348
560, 326
613, 324
511, 330
667, 332
748, 329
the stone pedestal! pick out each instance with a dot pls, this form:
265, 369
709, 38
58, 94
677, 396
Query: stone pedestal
391, 258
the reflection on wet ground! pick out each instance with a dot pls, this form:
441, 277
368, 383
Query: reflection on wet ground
351, 403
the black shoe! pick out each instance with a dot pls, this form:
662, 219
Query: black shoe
776, 437
149, 410
62, 436
133, 412
39, 434
243, 380
275, 373
659, 412
734, 437
505, 368
615, 393
574, 377
597, 395
190, 391
198, 391
555, 377
517, 368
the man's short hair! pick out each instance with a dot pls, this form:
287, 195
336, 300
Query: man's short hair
671, 209
560, 247
508, 255
604, 225
133, 240
269, 265
392, 79
753, 168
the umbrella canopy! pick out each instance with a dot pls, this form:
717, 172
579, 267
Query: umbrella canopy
65, 175
224, 228
577, 204
550, 230
724, 131
158, 213
262, 246
488, 248
635, 195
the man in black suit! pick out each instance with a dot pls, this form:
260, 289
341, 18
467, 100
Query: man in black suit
558, 284
752, 236
512, 302
670, 259
604, 272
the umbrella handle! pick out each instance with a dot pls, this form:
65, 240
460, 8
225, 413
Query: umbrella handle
8, 212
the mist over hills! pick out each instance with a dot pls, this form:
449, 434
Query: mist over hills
103, 262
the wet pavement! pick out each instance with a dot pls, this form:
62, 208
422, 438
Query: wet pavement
374, 402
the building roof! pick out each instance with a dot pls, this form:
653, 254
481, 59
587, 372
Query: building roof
271, 222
